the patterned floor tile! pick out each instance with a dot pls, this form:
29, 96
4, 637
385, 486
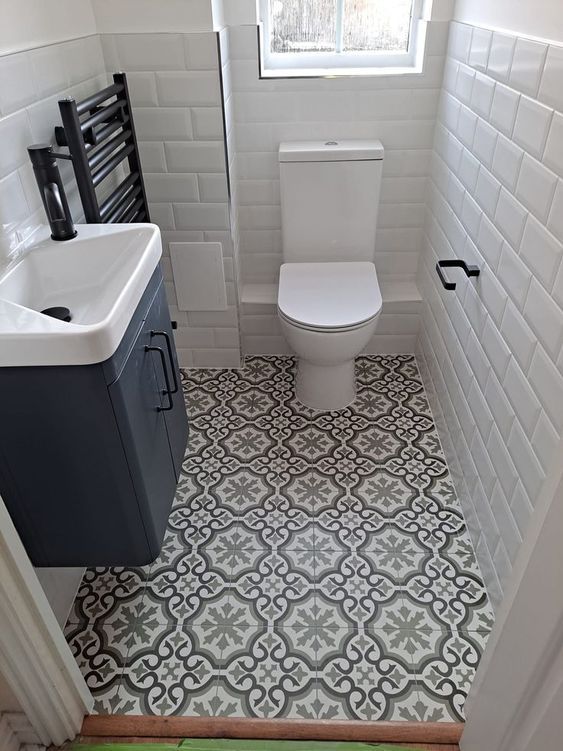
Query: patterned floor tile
105, 591
316, 564
175, 671
364, 675
101, 651
271, 674
445, 668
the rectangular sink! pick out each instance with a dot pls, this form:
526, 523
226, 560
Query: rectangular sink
100, 276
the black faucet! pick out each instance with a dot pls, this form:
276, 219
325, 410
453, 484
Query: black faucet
44, 161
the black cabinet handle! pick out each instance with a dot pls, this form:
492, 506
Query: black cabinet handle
170, 357
167, 390
469, 271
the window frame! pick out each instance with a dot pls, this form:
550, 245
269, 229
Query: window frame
310, 64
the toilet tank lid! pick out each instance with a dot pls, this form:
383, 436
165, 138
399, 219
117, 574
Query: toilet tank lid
330, 151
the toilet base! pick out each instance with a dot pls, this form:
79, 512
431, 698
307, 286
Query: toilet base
326, 387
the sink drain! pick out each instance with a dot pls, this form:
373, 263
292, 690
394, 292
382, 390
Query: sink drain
62, 314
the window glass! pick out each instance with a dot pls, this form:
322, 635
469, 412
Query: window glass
376, 25
302, 25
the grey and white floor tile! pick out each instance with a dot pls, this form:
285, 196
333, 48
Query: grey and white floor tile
316, 564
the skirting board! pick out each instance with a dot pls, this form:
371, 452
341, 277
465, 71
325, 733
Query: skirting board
17, 734
123, 726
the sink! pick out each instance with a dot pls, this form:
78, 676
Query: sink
100, 276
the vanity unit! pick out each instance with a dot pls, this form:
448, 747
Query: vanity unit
94, 424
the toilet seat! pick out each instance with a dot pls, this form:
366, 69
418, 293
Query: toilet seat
329, 297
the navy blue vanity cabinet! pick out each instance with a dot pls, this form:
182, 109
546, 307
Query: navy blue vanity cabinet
90, 455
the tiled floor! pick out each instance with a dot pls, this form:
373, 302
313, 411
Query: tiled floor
316, 565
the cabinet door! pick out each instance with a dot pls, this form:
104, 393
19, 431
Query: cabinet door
136, 397
158, 321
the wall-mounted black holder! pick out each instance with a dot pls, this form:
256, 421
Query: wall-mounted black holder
100, 135
469, 270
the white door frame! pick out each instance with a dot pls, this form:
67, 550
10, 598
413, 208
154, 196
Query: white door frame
35, 659
516, 701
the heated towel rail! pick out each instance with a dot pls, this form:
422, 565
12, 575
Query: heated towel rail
100, 135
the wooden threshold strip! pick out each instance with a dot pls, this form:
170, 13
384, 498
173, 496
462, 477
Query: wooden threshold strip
140, 726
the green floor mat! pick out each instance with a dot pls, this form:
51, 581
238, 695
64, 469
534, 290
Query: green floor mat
212, 744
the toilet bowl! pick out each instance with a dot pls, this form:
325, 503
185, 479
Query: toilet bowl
328, 313
328, 296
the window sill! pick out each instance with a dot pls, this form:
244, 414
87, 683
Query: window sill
272, 73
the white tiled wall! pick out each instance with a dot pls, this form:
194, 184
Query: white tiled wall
400, 110
31, 83
493, 347
175, 86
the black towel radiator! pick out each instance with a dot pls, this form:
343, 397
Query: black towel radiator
100, 135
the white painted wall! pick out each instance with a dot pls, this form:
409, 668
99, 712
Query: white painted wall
137, 16
8, 702
527, 17
31, 23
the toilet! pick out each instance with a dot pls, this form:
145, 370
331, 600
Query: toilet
329, 299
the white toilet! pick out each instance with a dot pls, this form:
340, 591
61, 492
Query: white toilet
329, 298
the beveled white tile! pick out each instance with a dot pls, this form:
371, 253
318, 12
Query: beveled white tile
500, 406
460, 41
150, 51
480, 46
506, 161
550, 87
482, 95
532, 126
484, 142
201, 51
207, 123
514, 275
553, 154
510, 217
466, 124
547, 382
518, 335
524, 402
468, 169
527, 65
487, 191
503, 463
504, 108
199, 88
541, 251
545, 317
162, 123
489, 242
555, 219
545, 440
523, 456
500, 55
464, 83
536, 187
16, 82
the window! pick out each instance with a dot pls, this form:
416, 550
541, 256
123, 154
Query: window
300, 37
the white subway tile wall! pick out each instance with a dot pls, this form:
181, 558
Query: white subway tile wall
177, 100
31, 83
492, 349
399, 110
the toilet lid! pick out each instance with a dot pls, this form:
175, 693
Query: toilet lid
329, 295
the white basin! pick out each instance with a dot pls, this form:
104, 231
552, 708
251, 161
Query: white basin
100, 276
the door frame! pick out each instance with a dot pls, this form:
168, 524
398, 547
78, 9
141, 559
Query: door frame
35, 660
515, 696
515, 700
